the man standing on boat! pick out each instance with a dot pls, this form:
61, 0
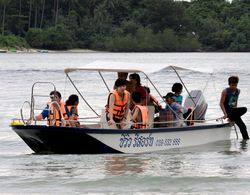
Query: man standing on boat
118, 105
228, 104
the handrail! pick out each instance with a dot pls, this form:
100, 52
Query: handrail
32, 117
21, 109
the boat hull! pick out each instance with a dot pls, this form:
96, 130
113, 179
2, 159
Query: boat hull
71, 140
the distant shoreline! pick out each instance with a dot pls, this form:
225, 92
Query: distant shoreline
32, 50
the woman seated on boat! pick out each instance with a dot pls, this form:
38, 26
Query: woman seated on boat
136, 81
139, 113
54, 111
118, 105
72, 111
173, 113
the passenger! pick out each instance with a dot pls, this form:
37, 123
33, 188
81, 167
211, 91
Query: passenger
52, 112
153, 101
166, 118
173, 110
136, 81
228, 104
177, 90
129, 86
72, 111
118, 105
139, 113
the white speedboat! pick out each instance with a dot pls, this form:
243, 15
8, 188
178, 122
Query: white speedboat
95, 137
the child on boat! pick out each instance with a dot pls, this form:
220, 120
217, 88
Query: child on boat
139, 112
72, 111
177, 90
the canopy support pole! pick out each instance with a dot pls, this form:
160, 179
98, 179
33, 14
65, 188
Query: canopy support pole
183, 85
81, 95
161, 95
104, 81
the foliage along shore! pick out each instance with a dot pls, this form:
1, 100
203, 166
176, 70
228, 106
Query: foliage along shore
126, 25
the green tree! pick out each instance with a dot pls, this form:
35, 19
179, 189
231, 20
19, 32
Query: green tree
4, 4
161, 14
42, 16
35, 37
57, 37
30, 12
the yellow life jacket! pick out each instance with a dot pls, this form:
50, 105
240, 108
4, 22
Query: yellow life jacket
55, 118
144, 116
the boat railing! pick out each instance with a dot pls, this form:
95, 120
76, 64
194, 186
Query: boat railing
21, 110
33, 95
88, 122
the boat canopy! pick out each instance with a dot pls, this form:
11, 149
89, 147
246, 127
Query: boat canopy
107, 66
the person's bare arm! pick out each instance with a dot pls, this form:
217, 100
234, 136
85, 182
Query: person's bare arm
135, 114
127, 107
39, 117
222, 100
111, 109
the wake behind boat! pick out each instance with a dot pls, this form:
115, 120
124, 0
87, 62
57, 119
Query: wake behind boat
94, 136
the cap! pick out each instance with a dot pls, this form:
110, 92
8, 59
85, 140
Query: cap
169, 95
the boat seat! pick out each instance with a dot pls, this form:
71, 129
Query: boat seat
151, 114
104, 122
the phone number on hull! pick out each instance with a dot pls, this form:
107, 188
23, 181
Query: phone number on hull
138, 140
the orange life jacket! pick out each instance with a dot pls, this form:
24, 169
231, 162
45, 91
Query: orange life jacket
119, 105
55, 117
69, 109
144, 116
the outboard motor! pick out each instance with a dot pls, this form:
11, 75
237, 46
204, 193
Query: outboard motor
201, 104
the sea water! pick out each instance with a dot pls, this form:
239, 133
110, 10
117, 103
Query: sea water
217, 168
